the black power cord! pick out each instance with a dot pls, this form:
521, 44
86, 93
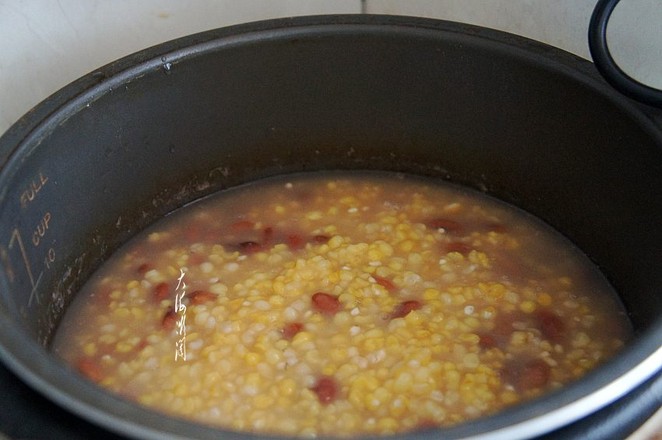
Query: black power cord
604, 62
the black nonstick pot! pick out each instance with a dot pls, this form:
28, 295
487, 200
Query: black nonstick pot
121, 147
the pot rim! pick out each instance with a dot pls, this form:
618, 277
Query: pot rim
35, 365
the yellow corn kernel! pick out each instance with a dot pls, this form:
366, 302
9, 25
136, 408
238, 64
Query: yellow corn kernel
301, 338
406, 246
342, 319
314, 215
375, 254
494, 290
287, 387
108, 339
122, 313
479, 258
339, 355
509, 397
90, 349
252, 359
137, 313
431, 294
263, 401
349, 200
414, 318
329, 369
403, 382
527, 306
374, 344
545, 299
565, 281
398, 406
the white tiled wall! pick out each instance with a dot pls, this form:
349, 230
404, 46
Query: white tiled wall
46, 44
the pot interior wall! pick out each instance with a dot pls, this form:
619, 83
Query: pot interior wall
466, 108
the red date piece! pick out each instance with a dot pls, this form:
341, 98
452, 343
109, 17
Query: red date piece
527, 375
326, 304
291, 329
144, 268
487, 341
426, 424
295, 242
321, 239
268, 235
404, 308
326, 389
196, 258
496, 227
385, 283
249, 247
550, 324
458, 246
242, 225
534, 374
169, 320
201, 297
90, 369
192, 233
161, 291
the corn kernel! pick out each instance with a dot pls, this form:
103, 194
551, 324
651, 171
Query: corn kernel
527, 306
90, 349
252, 359
263, 401
544, 299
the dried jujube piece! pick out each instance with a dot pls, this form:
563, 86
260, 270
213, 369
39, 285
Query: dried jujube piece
268, 235
291, 329
385, 283
320, 239
487, 341
458, 246
169, 320
326, 388
295, 241
404, 308
162, 291
144, 268
550, 324
249, 247
527, 374
326, 303
90, 368
201, 297
242, 226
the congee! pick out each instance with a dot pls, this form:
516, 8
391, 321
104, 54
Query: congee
342, 303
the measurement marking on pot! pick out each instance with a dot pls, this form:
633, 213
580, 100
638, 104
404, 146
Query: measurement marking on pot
41, 229
16, 239
33, 189
49, 258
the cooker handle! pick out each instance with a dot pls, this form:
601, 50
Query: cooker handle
597, 42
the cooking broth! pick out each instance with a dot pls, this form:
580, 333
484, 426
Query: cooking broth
342, 303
